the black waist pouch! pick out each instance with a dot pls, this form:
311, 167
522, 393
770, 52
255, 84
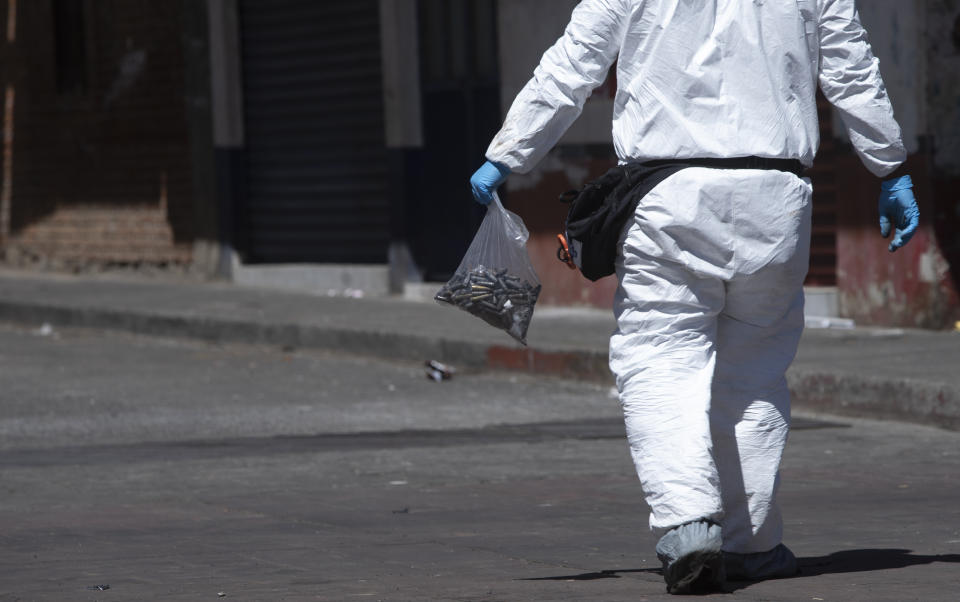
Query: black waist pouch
599, 211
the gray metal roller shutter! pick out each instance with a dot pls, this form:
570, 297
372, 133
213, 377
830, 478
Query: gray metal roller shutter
315, 152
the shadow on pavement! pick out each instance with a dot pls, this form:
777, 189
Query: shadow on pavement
607, 574
847, 561
855, 561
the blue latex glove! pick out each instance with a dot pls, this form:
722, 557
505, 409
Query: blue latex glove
898, 208
486, 180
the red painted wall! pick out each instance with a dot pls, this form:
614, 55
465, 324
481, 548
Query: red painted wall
544, 216
913, 287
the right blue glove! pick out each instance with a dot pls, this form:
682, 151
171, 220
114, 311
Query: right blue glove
485, 181
898, 208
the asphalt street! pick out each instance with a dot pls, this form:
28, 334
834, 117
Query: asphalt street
178, 470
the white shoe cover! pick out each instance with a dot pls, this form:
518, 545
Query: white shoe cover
692, 559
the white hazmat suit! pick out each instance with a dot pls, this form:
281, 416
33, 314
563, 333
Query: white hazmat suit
710, 303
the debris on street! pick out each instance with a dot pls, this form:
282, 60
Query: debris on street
829, 322
45, 330
439, 372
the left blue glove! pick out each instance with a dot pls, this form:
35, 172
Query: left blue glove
898, 208
486, 180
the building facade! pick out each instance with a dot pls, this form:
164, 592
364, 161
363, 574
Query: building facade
851, 272
327, 145
97, 144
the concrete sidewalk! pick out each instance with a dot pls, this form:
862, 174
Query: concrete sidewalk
909, 375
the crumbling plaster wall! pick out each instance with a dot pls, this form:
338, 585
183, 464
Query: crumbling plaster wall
917, 286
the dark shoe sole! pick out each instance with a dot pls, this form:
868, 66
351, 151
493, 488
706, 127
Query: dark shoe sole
699, 572
778, 563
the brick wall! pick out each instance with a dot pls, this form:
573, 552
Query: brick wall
101, 174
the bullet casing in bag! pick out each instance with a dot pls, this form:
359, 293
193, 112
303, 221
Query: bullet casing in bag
493, 295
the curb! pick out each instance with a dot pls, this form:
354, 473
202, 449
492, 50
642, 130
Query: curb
386, 345
905, 400
579, 364
830, 392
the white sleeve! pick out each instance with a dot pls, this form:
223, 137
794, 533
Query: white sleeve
550, 102
850, 79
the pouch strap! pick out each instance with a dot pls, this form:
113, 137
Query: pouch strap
793, 166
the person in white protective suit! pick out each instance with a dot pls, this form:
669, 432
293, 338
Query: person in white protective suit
710, 302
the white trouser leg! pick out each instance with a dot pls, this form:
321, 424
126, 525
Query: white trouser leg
757, 337
663, 356
711, 285
750, 419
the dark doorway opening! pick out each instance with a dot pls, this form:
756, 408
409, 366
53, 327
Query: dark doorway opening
460, 86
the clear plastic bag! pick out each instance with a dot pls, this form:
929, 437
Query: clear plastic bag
495, 280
